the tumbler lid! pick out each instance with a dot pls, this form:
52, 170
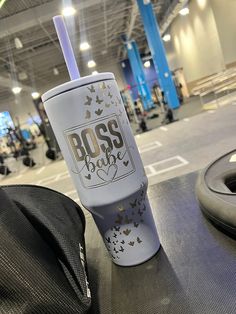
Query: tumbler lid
77, 83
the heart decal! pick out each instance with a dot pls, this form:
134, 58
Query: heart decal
126, 163
109, 175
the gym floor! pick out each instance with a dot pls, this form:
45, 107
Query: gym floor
167, 152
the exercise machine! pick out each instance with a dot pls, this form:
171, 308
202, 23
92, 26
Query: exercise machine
53, 151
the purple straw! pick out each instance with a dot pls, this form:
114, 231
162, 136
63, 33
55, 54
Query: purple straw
66, 47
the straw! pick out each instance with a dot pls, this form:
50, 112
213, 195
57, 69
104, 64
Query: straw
66, 47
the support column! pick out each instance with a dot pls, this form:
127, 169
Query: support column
157, 49
138, 73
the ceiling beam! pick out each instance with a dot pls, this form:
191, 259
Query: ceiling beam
133, 15
7, 82
31, 17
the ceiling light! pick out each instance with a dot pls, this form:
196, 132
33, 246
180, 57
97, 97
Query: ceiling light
94, 72
2, 3
18, 43
129, 46
35, 95
167, 37
202, 3
22, 76
68, 11
123, 65
55, 71
91, 64
16, 90
84, 46
184, 11
147, 64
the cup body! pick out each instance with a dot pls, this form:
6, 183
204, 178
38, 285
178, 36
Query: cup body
91, 126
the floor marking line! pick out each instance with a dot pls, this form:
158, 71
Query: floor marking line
151, 169
53, 178
57, 177
183, 162
70, 192
24, 170
40, 170
163, 128
165, 170
149, 147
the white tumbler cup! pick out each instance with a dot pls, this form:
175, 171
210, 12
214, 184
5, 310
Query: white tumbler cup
91, 126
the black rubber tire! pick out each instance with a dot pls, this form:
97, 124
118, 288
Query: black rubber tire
217, 201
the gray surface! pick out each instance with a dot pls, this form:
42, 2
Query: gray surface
194, 271
199, 140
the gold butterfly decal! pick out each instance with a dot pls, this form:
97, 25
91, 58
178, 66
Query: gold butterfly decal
127, 232
89, 101
103, 86
98, 101
139, 240
119, 100
98, 112
109, 95
91, 89
88, 114
121, 249
140, 212
127, 220
121, 208
107, 105
108, 240
119, 219
134, 204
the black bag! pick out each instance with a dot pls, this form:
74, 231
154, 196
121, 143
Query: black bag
42, 253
